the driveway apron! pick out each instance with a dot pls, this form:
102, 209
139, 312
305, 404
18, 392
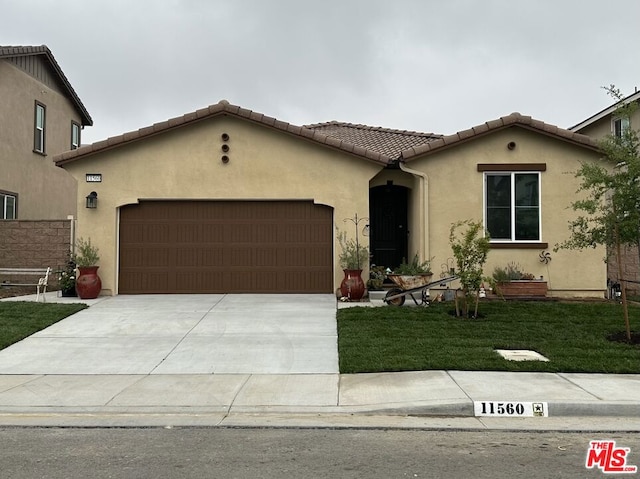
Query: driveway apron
186, 334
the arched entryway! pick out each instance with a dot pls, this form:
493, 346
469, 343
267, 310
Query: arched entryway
388, 224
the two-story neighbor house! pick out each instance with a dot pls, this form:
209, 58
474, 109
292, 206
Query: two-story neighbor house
40, 116
598, 126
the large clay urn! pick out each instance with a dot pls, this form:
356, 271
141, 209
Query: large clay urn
88, 283
352, 286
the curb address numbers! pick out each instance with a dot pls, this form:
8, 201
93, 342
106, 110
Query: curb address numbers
510, 409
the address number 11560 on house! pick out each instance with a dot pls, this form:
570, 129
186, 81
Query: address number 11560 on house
510, 409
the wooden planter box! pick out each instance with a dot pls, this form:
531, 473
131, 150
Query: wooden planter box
522, 288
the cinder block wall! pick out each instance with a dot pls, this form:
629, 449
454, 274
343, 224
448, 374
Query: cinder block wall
34, 244
630, 268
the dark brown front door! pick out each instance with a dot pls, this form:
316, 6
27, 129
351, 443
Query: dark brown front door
226, 247
388, 225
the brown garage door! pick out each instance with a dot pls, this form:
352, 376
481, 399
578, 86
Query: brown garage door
226, 247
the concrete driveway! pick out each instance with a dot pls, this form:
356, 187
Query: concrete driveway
186, 334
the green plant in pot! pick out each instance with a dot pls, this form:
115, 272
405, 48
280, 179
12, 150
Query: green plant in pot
377, 274
352, 258
412, 274
353, 255
67, 278
414, 267
511, 272
512, 281
88, 283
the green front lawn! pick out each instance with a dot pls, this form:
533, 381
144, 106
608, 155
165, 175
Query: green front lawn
573, 336
20, 319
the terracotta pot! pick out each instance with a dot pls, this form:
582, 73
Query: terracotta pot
88, 284
352, 286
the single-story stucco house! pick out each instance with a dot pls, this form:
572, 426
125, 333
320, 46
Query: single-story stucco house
225, 199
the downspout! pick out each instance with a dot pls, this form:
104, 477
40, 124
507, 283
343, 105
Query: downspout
424, 207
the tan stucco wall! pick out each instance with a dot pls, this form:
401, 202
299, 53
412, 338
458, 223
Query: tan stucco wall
44, 190
185, 164
455, 192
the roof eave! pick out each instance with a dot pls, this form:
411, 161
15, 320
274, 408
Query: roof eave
604, 113
44, 50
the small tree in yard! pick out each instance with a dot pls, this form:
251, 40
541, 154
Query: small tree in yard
470, 249
611, 210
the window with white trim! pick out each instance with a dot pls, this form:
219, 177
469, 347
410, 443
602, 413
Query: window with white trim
39, 128
512, 206
75, 135
619, 126
8, 205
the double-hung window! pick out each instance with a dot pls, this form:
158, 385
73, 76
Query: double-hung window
512, 205
8, 206
39, 128
75, 135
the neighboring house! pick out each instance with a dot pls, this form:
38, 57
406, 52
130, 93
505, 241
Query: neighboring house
598, 126
606, 122
40, 116
225, 199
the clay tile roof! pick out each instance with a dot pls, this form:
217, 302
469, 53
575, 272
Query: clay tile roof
225, 108
22, 51
514, 119
385, 141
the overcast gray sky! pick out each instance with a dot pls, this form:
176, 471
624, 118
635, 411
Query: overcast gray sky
427, 65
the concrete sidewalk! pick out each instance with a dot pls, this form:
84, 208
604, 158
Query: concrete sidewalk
221, 399
111, 392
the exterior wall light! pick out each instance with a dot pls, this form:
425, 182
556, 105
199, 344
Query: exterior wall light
92, 200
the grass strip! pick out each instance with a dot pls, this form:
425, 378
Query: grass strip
19, 319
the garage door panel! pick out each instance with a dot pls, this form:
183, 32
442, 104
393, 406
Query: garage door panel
317, 258
157, 233
217, 247
266, 257
213, 257
156, 257
265, 233
189, 257
146, 281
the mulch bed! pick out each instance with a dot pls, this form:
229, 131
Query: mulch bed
621, 337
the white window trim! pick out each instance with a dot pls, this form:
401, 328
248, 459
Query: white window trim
40, 130
75, 127
625, 124
512, 206
5, 197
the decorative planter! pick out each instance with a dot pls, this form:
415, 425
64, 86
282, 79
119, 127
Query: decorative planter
88, 284
523, 288
68, 293
352, 286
